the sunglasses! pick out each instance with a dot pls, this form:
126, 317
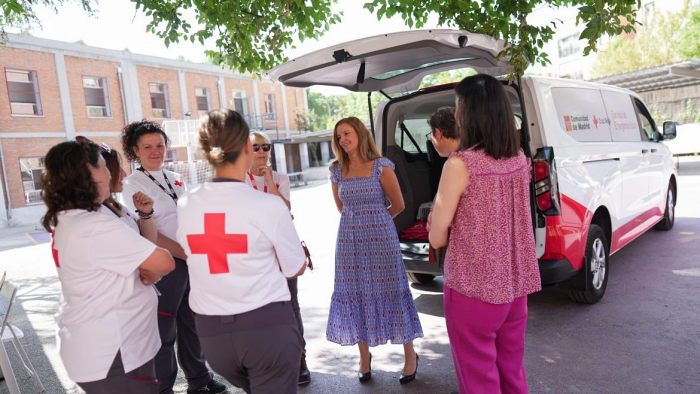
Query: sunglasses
264, 147
103, 147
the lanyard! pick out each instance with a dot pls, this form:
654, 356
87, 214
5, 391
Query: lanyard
172, 193
255, 184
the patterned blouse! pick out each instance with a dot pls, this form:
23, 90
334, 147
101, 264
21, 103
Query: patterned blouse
491, 251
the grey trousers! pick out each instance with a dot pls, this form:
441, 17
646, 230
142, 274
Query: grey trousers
142, 380
258, 351
176, 323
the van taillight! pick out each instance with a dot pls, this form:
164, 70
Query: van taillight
546, 187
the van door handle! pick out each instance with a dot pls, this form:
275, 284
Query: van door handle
644, 151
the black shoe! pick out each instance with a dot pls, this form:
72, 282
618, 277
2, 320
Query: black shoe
213, 387
304, 374
366, 376
409, 378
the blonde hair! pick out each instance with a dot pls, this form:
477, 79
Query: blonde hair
365, 147
254, 135
222, 136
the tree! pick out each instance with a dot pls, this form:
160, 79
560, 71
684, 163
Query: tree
252, 35
20, 13
678, 31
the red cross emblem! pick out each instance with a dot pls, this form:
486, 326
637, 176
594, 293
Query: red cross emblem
178, 183
54, 252
216, 244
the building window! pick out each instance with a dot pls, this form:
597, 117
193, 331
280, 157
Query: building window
31, 168
202, 97
96, 97
240, 103
159, 100
270, 103
23, 89
569, 45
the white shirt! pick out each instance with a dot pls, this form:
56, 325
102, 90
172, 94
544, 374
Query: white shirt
165, 209
281, 180
263, 247
105, 306
125, 217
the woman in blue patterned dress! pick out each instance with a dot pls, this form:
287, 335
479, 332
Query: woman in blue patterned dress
371, 301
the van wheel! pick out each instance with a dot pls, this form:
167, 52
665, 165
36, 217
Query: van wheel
594, 274
669, 213
421, 279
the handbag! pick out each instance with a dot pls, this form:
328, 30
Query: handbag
308, 261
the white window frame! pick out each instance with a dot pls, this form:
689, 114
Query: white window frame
166, 101
207, 95
102, 84
32, 195
37, 109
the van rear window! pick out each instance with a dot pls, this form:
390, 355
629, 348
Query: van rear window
581, 114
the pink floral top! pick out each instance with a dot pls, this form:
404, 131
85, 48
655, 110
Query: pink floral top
491, 252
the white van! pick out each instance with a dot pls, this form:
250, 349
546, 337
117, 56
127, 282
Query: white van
601, 177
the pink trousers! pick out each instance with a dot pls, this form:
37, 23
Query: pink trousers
487, 342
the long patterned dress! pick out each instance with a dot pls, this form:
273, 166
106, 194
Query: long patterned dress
371, 300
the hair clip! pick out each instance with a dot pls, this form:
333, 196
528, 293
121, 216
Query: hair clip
216, 151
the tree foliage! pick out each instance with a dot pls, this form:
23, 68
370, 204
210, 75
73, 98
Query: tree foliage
252, 35
662, 39
20, 13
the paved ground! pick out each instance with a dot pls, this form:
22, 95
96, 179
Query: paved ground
643, 337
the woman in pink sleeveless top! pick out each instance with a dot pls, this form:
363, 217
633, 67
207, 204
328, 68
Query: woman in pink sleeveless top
483, 205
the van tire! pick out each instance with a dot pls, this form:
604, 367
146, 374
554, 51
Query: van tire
421, 279
592, 285
669, 212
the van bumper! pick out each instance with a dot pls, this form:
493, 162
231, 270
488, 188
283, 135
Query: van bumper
555, 271
422, 267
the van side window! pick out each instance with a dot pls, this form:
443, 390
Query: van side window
622, 116
418, 128
647, 126
581, 114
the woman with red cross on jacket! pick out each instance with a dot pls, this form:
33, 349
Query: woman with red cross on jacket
241, 247
145, 143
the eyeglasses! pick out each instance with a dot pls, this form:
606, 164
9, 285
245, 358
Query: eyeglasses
264, 147
429, 135
103, 147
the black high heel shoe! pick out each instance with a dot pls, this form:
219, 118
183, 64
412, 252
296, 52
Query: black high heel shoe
409, 378
364, 377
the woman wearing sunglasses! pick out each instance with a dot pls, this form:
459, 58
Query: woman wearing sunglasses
107, 327
261, 177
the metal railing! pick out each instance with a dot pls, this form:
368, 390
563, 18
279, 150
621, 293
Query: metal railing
185, 132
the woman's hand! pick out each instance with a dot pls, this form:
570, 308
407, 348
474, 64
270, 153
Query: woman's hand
148, 277
267, 173
143, 202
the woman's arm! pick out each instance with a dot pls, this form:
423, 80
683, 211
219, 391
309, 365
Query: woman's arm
283, 190
147, 227
158, 264
338, 203
454, 179
173, 247
392, 190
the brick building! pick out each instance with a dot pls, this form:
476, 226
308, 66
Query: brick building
51, 91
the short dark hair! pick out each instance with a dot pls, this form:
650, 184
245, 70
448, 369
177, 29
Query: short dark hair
485, 117
132, 132
444, 119
67, 180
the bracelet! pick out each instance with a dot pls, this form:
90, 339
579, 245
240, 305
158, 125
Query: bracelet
145, 215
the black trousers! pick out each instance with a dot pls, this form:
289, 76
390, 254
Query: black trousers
292, 285
176, 324
258, 351
142, 380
